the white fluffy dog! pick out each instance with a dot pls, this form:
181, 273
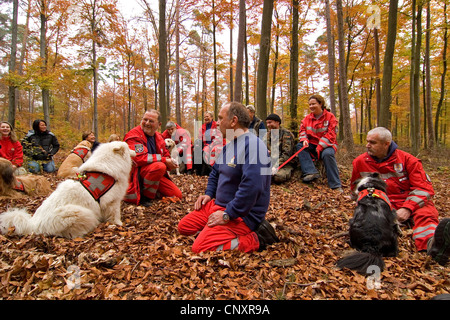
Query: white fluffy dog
171, 146
76, 208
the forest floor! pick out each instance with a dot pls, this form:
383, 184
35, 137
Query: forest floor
146, 258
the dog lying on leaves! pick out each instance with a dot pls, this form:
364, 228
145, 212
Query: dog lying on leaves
77, 156
12, 186
76, 207
373, 229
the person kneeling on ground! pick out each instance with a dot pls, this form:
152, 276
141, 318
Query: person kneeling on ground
231, 214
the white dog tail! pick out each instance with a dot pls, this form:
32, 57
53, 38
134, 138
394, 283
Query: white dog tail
20, 219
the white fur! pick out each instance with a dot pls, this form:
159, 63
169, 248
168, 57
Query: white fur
360, 183
170, 145
70, 211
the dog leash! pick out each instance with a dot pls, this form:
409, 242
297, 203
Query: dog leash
292, 157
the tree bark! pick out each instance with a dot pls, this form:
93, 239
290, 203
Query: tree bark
263, 62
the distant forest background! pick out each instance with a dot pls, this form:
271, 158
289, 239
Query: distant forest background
98, 64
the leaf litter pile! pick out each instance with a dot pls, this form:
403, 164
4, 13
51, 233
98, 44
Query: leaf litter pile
146, 258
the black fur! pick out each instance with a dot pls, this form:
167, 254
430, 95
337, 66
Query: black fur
373, 230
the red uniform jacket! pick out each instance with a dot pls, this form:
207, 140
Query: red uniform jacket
183, 143
137, 141
11, 151
321, 132
408, 185
215, 133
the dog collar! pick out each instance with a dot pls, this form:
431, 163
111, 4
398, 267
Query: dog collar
372, 192
96, 183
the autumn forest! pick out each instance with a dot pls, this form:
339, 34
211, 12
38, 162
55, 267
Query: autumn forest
98, 64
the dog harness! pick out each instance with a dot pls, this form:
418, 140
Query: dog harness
19, 186
96, 183
81, 152
372, 192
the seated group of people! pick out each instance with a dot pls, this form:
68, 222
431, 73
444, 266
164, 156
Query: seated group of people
232, 212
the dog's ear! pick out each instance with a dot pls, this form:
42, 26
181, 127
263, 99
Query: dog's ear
119, 149
375, 175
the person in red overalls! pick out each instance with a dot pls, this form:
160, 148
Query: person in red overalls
182, 139
409, 190
10, 147
318, 134
149, 172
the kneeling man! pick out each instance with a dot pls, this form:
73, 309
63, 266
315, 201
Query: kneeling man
231, 214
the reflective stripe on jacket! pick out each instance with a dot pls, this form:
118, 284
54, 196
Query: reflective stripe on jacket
321, 131
408, 185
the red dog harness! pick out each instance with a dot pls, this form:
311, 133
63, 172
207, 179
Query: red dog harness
19, 186
372, 192
96, 183
81, 152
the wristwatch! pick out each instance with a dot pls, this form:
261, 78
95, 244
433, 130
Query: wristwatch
226, 217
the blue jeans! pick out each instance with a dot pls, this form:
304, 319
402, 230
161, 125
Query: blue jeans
329, 161
34, 167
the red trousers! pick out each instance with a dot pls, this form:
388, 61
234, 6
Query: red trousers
425, 222
154, 180
233, 235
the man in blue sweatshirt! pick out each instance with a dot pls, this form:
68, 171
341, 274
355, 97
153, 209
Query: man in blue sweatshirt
231, 213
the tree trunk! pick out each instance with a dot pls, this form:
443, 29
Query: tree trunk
429, 117
177, 65
384, 119
343, 96
216, 89
415, 116
162, 61
44, 58
275, 64
263, 62
12, 65
293, 70
444, 71
240, 54
331, 58
95, 68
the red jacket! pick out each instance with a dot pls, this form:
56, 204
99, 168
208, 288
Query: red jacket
408, 185
137, 141
11, 151
214, 133
321, 132
182, 139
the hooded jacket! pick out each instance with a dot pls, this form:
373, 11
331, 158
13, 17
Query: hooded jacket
40, 145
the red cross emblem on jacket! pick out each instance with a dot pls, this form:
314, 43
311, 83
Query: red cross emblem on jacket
96, 183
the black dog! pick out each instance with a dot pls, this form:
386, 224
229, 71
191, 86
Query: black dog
373, 229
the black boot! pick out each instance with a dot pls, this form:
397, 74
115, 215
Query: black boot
266, 235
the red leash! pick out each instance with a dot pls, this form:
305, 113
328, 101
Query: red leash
292, 157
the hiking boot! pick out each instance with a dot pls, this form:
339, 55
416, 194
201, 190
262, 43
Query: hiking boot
439, 246
145, 202
266, 234
311, 177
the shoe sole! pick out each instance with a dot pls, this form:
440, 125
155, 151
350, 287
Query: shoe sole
442, 240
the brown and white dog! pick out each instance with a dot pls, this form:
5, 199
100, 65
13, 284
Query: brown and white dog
75, 159
171, 146
12, 186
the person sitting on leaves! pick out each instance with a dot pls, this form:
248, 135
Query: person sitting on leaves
281, 144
